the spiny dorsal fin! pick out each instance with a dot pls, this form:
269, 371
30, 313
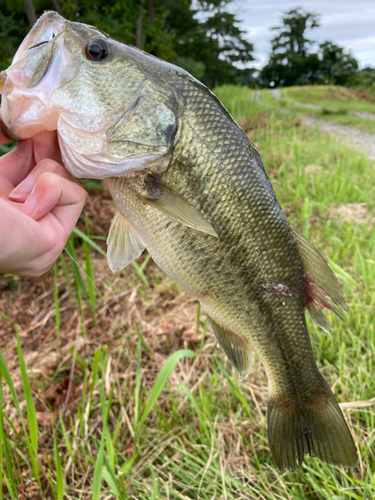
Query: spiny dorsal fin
253, 145
322, 284
123, 243
174, 206
235, 347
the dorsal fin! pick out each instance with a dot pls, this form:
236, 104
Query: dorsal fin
323, 287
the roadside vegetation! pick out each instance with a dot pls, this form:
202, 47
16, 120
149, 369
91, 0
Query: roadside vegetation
113, 386
346, 106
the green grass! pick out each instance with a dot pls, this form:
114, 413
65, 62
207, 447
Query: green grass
329, 96
336, 104
340, 116
153, 421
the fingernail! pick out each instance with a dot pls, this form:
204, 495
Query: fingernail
29, 205
24, 188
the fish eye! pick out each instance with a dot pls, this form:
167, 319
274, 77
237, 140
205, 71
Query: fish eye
97, 49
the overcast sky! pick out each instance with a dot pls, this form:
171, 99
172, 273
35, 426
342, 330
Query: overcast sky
349, 23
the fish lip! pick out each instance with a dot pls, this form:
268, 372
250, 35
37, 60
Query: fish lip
9, 133
40, 43
47, 26
48, 31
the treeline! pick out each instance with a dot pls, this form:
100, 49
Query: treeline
201, 36
294, 61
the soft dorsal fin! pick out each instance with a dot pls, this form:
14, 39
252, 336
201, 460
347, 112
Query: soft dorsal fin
323, 287
235, 347
124, 244
174, 206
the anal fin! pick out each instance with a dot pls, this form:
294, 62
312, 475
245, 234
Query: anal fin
235, 347
124, 244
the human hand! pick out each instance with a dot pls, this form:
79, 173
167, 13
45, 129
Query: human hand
40, 203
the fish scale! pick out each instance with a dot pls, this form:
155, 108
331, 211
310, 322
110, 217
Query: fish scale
190, 187
237, 286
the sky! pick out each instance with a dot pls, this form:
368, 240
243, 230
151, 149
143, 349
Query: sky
349, 23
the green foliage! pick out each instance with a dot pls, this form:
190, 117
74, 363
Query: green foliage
227, 44
293, 63
290, 62
364, 80
153, 425
335, 66
291, 37
205, 40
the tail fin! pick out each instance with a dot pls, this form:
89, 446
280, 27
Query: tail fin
313, 425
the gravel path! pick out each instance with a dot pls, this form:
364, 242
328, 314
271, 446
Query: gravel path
357, 139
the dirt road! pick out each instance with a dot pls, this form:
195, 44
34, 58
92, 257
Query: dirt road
357, 139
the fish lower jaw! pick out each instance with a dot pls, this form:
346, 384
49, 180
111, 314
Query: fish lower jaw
24, 117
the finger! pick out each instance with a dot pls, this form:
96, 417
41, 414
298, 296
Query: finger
46, 146
17, 164
63, 198
3, 137
23, 190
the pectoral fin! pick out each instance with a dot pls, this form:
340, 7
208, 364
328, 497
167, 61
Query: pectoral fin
322, 286
174, 206
124, 244
235, 347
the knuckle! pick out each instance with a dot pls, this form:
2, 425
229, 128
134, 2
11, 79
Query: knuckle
48, 164
50, 179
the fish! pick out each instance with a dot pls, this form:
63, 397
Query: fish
190, 187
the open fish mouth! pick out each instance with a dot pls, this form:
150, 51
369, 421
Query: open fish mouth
28, 84
44, 30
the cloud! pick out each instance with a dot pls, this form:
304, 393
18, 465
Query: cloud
347, 23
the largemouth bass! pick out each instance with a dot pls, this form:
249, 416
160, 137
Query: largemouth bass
191, 188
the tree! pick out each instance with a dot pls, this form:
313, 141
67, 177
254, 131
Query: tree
364, 80
14, 26
228, 46
30, 12
200, 36
291, 39
335, 66
290, 62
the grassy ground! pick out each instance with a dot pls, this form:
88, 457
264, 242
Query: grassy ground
113, 386
340, 98
337, 104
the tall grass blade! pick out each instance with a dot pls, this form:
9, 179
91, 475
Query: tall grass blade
90, 278
236, 391
88, 240
59, 472
110, 477
9, 481
137, 389
128, 464
57, 306
138, 269
30, 407
98, 472
140, 273
32, 438
161, 380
